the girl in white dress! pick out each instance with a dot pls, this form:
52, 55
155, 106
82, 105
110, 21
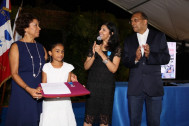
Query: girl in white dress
57, 111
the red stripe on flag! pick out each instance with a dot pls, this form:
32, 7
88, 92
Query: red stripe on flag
5, 73
9, 5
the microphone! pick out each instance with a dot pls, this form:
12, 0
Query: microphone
99, 40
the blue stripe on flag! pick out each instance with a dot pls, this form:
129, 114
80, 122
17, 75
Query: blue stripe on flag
7, 35
0, 43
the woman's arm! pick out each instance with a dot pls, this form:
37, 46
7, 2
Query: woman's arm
112, 65
14, 65
46, 55
89, 61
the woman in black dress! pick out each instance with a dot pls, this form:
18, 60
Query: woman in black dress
102, 62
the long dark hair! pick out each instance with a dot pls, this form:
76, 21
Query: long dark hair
113, 40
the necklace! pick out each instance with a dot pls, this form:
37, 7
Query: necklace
33, 65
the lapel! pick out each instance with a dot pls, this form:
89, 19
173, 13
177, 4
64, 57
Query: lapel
150, 37
135, 41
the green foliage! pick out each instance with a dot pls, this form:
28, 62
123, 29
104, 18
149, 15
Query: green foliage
78, 31
82, 32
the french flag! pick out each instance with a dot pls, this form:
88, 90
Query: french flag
5, 40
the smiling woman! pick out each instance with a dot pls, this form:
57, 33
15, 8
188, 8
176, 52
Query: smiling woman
26, 59
102, 62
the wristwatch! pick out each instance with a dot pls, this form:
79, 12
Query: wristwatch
105, 61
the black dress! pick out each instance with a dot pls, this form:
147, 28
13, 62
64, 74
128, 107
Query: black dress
101, 84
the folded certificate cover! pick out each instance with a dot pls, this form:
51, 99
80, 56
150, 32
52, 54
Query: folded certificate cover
72, 89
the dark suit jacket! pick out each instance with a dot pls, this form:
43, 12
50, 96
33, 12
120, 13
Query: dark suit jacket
145, 76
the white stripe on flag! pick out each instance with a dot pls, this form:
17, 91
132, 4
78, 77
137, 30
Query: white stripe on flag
7, 4
5, 41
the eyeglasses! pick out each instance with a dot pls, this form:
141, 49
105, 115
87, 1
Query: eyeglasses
135, 20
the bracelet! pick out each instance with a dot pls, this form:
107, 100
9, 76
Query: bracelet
105, 61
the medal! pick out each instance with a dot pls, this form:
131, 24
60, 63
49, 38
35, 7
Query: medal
108, 54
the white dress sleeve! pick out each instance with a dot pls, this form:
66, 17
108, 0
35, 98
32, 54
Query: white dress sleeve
70, 67
45, 67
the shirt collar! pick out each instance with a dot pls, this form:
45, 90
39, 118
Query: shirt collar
145, 33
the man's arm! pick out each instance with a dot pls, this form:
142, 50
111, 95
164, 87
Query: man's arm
159, 55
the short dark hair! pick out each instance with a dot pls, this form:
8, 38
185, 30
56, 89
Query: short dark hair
23, 22
144, 16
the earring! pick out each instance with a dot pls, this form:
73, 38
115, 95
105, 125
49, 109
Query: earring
50, 59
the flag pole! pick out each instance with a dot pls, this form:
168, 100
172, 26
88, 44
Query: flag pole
16, 36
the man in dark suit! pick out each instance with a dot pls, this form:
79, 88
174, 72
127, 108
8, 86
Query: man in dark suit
144, 53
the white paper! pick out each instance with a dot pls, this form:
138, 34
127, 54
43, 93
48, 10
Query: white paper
55, 88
